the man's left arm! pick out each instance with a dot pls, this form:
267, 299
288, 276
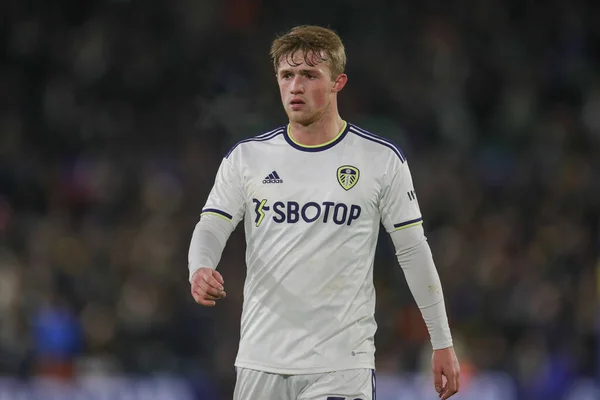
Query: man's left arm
401, 216
415, 258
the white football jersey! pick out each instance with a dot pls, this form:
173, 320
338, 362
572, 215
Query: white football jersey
311, 216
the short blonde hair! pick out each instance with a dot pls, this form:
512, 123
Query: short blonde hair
316, 43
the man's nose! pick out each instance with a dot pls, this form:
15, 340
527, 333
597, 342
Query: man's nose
297, 86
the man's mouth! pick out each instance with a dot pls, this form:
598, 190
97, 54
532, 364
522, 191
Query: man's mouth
296, 104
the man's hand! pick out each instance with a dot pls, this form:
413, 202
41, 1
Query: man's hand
207, 287
445, 364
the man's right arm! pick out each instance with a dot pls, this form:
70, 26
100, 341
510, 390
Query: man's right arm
223, 210
208, 241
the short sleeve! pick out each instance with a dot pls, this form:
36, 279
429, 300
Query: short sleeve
398, 204
226, 198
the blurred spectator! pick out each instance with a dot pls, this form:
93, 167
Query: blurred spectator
57, 339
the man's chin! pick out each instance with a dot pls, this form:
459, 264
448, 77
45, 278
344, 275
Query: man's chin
300, 118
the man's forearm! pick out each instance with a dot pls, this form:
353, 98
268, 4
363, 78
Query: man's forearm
416, 260
208, 241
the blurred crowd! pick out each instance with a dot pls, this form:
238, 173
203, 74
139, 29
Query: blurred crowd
114, 116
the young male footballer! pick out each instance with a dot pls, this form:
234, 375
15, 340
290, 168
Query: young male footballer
312, 195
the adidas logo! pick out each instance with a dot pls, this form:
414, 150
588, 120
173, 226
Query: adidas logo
273, 177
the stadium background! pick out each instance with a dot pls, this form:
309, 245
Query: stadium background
114, 116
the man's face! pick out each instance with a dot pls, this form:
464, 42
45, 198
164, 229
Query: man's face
306, 91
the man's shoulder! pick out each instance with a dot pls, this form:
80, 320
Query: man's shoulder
256, 140
375, 143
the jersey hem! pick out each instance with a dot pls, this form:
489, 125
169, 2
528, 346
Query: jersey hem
302, 371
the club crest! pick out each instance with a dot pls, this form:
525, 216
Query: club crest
347, 176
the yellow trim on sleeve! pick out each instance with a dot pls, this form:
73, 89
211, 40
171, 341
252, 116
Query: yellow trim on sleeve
408, 226
217, 214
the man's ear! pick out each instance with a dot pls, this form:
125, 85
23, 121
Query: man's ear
339, 83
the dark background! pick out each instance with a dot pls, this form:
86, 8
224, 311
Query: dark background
114, 116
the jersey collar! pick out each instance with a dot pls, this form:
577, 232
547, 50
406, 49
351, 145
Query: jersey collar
319, 147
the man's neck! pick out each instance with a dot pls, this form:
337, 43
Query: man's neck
317, 133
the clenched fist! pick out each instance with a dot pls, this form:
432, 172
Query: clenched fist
207, 287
